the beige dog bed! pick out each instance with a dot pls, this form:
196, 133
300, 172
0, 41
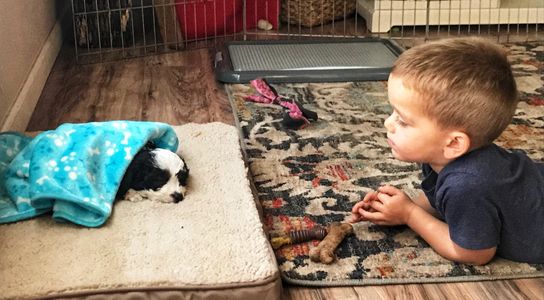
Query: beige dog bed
211, 244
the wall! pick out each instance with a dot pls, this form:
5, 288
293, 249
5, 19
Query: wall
28, 50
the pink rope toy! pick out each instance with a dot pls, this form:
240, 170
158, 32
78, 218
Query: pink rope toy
267, 95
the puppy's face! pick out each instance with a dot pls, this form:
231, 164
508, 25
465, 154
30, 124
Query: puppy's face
155, 174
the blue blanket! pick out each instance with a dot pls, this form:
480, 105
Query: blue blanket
73, 171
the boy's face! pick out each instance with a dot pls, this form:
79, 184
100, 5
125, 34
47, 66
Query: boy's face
412, 136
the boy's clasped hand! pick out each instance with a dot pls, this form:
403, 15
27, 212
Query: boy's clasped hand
386, 206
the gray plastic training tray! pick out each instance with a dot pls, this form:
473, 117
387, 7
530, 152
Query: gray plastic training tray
306, 60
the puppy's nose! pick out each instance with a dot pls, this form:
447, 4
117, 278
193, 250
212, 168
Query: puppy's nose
177, 197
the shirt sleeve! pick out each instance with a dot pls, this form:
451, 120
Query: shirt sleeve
473, 220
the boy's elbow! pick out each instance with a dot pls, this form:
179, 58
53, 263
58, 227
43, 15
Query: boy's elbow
479, 257
481, 261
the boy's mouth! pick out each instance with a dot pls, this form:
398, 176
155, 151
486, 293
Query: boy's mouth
390, 143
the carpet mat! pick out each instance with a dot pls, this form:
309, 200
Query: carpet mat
313, 176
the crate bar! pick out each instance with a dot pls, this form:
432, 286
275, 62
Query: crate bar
92, 32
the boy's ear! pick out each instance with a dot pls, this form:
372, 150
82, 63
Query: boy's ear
458, 144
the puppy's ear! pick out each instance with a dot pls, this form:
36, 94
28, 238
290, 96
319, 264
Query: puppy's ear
142, 174
133, 171
126, 182
150, 145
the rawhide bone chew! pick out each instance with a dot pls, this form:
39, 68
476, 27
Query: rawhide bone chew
324, 252
298, 236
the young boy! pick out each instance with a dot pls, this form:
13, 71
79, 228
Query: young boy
451, 99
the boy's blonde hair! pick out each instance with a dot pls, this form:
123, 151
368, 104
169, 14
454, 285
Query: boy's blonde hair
464, 84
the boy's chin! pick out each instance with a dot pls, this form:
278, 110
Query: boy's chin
400, 157
395, 154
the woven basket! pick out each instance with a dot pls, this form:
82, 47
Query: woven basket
315, 12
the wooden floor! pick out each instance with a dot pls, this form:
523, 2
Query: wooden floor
180, 87
173, 88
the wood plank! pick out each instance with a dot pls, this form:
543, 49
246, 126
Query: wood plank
174, 88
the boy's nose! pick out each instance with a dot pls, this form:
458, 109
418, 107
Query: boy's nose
388, 124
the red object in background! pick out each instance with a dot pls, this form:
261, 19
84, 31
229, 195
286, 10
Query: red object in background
208, 18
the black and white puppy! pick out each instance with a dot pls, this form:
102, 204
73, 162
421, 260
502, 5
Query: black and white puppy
154, 174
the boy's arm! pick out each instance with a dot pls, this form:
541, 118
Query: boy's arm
422, 201
436, 233
395, 207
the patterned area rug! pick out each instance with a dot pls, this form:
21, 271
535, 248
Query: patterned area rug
314, 176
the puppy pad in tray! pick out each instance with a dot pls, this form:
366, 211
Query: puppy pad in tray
212, 244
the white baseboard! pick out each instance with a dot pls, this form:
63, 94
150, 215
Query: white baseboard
21, 111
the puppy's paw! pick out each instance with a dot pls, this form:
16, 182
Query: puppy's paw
135, 196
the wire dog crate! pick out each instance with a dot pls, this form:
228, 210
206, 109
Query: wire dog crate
106, 30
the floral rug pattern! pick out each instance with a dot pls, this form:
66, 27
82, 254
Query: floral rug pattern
313, 176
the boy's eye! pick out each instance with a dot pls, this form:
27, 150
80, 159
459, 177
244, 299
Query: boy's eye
400, 121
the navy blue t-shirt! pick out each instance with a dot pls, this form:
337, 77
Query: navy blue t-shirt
491, 197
